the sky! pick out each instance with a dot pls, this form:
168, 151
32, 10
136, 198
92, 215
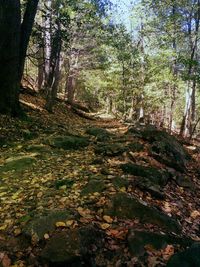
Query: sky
122, 11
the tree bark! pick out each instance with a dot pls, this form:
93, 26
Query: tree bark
26, 29
10, 20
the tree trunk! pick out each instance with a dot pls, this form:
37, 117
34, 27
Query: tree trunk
54, 74
9, 56
26, 29
47, 41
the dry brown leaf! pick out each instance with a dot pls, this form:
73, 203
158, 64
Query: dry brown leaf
168, 252
194, 214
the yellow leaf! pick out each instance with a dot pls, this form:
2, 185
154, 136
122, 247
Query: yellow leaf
108, 219
3, 227
104, 226
69, 223
17, 231
60, 224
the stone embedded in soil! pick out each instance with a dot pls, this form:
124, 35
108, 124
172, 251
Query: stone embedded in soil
74, 247
68, 142
100, 133
93, 186
154, 176
126, 207
119, 182
45, 224
145, 185
18, 164
64, 182
111, 150
137, 240
164, 147
187, 258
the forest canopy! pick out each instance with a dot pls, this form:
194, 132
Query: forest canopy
79, 51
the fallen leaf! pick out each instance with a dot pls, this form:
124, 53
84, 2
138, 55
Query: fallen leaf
104, 226
195, 214
107, 219
60, 224
46, 236
69, 223
168, 252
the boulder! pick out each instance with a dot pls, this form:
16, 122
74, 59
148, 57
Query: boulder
187, 258
17, 164
126, 207
138, 240
100, 133
74, 247
110, 149
69, 142
164, 147
93, 186
153, 175
44, 224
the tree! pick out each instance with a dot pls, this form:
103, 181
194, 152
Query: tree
13, 46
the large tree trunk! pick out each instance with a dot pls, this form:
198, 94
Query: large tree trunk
26, 29
9, 56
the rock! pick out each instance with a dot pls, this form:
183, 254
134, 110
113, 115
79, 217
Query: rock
67, 182
44, 224
37, 148
68, 142
136, 147
164, 147
18, 164
110, 149
99, 133
27, 134
73, 247
93, 186
187, 258
137, 240
184, 181
146, 185
126, 207
119, 182
153, 175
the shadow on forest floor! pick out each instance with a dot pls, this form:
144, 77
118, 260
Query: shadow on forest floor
76, 192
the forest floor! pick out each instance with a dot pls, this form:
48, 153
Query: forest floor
78, 192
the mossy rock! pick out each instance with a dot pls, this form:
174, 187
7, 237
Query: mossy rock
155, 176
45, 224
18, 164
28, 135
110, 149
93, 186
137, 240
69, 142
136, 147
74, 247
37, 148
187, 258
126, 207
100, 133
64, 182
164, 147
119, 182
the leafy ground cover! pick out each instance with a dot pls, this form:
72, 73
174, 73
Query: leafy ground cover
105, 194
